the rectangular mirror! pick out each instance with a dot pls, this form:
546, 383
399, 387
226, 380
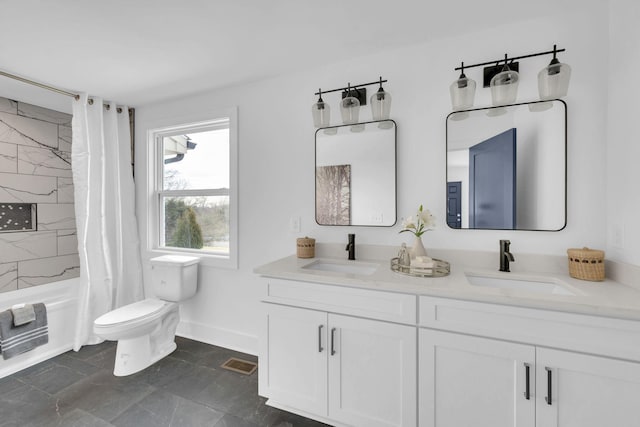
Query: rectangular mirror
356, 174
506, 167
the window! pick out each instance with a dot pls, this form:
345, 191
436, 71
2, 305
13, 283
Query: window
195, 194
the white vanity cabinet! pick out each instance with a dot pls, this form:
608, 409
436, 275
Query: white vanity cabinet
586, 391
293, 360
352, 351
473, 381
327, 355
470, 380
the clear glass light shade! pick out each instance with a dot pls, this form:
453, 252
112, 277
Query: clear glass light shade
321, 114
462, 91
504, 87
350, 110
553, 81
380, 105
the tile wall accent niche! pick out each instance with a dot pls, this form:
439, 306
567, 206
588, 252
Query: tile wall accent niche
35, 170
18, 217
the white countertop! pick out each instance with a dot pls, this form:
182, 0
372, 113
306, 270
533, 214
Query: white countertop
607, 298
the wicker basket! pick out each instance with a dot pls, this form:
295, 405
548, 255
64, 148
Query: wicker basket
306, 247
586, 264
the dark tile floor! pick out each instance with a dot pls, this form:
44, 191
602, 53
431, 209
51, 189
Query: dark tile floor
186, 388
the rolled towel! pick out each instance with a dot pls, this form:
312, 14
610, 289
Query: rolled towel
15, 340
422, 262
23, 314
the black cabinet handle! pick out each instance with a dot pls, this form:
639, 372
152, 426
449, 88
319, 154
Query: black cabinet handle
527, 389
333, 336
548, 396
320, 349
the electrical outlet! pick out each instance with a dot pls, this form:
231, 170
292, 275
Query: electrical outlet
294, 224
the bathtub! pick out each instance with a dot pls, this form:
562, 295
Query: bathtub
61, 301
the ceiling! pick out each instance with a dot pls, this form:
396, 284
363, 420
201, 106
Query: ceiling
144, 51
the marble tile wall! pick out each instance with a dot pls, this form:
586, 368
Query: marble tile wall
35, 167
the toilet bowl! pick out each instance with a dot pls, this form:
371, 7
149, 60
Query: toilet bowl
145, 330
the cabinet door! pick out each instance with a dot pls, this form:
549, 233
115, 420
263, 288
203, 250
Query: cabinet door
372, 372
470, 381
586, 391
293, 358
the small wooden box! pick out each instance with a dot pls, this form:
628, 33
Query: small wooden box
586, 264
306, 247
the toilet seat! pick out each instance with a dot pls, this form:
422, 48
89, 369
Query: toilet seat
131, 315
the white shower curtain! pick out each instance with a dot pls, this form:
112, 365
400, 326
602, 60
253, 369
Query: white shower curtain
110, 267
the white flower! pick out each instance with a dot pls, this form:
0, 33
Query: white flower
408, 222
427, 218
419, 223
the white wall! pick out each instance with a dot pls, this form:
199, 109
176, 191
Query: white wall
276, 153
622, 140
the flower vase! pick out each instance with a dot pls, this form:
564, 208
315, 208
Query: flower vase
418, 248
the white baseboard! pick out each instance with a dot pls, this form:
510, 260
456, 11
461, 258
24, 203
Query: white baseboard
221, 337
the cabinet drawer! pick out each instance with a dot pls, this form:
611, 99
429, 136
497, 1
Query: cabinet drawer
590, 334
389, 306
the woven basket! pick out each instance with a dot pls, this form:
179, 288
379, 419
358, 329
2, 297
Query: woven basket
586, 264
306, 247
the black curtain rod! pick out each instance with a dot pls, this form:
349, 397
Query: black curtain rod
511, 59
377, 82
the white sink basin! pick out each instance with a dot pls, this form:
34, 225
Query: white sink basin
350, 267
537, 285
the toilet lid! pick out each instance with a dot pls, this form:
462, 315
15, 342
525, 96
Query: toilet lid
130, 312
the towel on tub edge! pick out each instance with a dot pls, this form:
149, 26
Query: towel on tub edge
23, 314
15, 340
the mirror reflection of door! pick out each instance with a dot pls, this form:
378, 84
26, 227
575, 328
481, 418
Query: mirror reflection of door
454, 204
492, 182
540, 184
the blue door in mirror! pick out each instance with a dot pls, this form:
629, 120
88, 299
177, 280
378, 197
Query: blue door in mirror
492, 182
454, 204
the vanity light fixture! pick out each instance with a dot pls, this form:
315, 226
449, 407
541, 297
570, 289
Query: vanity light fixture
349, 107
504, 85
353, 97
553, 80
380, 104
462, 91
321, 112
503, 78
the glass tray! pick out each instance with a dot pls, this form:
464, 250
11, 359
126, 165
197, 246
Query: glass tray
440, 269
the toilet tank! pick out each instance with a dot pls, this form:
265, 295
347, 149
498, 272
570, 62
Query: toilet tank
174, 277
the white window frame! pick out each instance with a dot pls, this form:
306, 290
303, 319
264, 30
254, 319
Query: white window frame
155, 211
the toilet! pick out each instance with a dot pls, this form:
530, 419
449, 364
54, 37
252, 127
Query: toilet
145, 330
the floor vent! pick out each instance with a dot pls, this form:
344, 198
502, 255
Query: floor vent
241, 366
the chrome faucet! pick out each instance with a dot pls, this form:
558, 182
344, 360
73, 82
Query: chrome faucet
351, 247
505, 255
